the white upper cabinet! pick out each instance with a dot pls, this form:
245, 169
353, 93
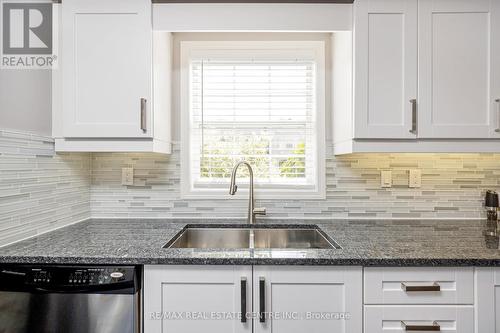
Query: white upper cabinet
426, 78
459, 68
385, 68
112, 64
107, 68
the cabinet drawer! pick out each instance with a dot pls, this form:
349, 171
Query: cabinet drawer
450, 319
419, 285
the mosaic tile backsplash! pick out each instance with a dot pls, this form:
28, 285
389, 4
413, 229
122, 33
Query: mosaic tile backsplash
39, 190
453, 186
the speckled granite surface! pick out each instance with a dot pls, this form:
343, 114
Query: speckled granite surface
368, 243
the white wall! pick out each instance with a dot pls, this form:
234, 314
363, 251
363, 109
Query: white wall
25, 100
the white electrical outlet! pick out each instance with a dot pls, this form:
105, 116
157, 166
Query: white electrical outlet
414, 178
386, 178
127, 176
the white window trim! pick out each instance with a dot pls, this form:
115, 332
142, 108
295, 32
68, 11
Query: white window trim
189, 49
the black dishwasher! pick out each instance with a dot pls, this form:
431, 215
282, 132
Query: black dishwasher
63, 299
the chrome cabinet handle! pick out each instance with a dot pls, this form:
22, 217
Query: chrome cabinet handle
243, 299
426, 328
259, 211
498, 115
433, 287
262, 299
413, 116
143, 115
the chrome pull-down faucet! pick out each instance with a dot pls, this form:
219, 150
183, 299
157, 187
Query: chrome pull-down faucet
252, 211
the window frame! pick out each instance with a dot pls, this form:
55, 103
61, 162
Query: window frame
313, 50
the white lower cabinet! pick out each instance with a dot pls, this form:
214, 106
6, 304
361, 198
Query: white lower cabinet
487, 300
291, 299
419, 285
318, 299
192, 299
419, 299
449, 319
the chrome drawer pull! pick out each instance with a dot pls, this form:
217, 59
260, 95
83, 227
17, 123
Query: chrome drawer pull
426, 328
498, 115
143, 115
413, 116
433, 287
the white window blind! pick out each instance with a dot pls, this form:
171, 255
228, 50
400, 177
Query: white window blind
258, 111
262, 102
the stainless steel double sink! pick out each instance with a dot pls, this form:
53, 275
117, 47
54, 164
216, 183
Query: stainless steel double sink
254, 237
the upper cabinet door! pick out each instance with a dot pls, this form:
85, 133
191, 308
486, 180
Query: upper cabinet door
306, 296
459, 68
107, 68
385, 75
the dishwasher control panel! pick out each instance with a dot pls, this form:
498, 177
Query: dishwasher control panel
96, 276
70, 279
78, 276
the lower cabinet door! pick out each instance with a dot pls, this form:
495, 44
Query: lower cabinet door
197, 299
488, 299
307, 299
421, 318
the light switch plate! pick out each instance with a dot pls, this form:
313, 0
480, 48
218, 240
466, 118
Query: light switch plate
386, 178
127, 176
414, 178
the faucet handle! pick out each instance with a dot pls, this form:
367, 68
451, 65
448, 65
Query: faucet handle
233, 189
259, 211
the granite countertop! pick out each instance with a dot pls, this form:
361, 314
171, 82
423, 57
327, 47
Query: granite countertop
367, 243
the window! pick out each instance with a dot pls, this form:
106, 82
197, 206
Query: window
262, 102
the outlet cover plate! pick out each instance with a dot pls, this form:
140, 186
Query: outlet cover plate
386, 178
128, 176
414, 178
